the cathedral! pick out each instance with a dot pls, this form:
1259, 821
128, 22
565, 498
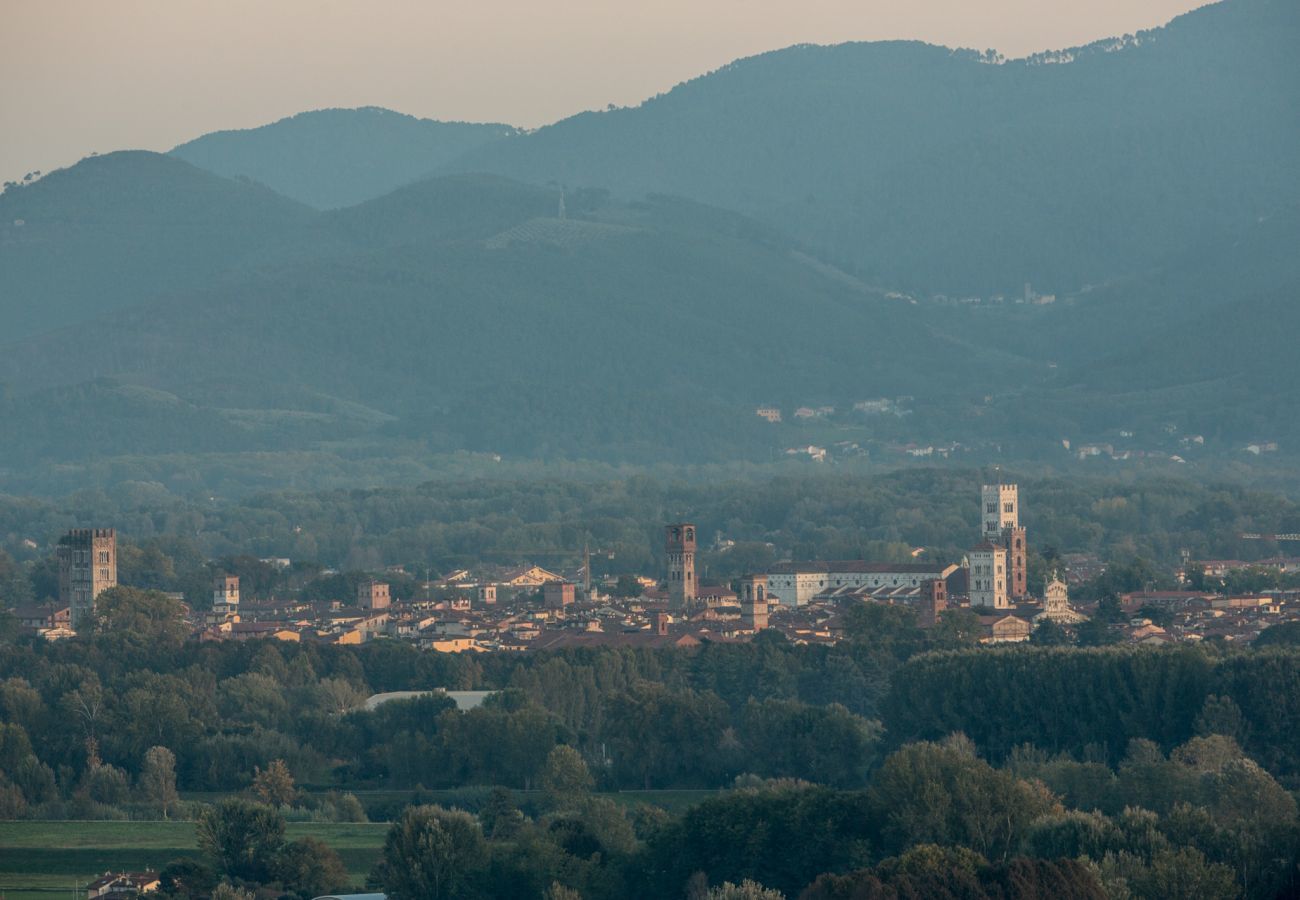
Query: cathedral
999, 566
1056, 604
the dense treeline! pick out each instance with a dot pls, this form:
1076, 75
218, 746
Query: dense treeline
1094, 703
687, 718
935, 820
1108, 769
673, 719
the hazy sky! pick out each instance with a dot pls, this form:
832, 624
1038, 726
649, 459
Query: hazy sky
78, 76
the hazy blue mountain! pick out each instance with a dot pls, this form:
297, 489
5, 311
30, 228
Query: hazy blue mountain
1234, 267
936, 171
329, 158
172, 313
119, 229
1217, 332
465, 313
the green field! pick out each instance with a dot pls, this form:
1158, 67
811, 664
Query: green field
42, 860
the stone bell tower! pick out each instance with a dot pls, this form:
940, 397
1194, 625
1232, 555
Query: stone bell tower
679, 542
87, 560
1001, 516
753, 602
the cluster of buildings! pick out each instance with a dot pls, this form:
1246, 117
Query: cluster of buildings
532, 608
1166, 617
123, 885
992, 580
873, 407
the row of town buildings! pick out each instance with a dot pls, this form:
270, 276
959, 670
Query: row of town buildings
533, 608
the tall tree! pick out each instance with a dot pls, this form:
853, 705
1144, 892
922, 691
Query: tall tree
274, 784
158, 779
242, 839
308, 867
565, 778
433, 853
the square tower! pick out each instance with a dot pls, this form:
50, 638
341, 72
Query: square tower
87, 567
225, 594
1000, 512
933, 602
558, 594
372, 595
988, 576
1001, 509
753, 602
225, 602
679, 542
1017, 562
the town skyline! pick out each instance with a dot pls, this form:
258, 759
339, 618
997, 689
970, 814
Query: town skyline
591, 451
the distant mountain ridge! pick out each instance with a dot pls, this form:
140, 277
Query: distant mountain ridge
465, 313
915, 167
933, 171
546, 297
124, 227
331, 158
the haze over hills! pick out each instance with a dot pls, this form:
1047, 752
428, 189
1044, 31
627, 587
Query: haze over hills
918, 167
151, 308
1233, 360
931, 170
863, 471
329, 158
116, 229
465, 313
1203, 341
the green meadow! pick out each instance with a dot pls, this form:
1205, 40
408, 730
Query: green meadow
42, 860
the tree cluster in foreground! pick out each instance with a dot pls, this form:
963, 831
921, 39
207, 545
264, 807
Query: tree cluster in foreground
933, 820
898, 762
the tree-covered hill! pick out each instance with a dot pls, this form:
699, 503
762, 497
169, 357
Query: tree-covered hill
1231, 267
638, 281
118, 229
466, 313
934, 170
462, 313
1204, 340
330, 158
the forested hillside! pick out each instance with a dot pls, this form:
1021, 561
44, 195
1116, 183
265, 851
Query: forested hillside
330, 158
89, 240
209, 330
934, 170
1202, 341
464, 312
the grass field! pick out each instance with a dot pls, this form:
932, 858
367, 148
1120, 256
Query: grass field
43, 860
